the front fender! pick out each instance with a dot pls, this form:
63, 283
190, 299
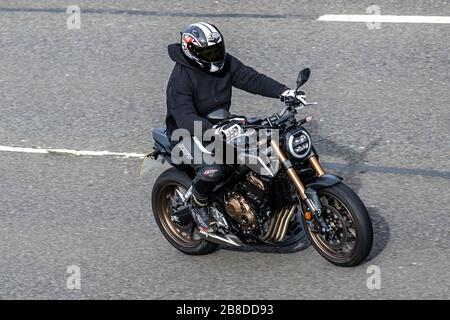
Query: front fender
315, 184
327, 180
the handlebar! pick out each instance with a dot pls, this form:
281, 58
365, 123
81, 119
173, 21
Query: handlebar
292, 104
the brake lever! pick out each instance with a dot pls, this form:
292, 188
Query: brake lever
304, 102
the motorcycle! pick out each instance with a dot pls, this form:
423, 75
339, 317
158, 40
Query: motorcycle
259, 205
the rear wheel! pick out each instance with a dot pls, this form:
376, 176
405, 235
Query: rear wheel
349, 241
165, 199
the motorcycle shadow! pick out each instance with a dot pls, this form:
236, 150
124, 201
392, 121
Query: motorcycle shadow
381, 233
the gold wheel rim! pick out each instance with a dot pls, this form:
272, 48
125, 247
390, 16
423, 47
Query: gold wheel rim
182, 235
326, 247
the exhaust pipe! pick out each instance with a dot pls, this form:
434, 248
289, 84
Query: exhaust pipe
222, 239
276, 232
284, 224
273, 225
279, 224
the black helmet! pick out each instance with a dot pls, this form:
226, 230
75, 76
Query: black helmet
203, 45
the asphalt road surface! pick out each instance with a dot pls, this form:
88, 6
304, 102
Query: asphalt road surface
383, 122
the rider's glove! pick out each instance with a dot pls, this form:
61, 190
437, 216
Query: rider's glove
288, 94
229, 131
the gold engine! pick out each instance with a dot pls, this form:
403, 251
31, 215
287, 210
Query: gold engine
239, 209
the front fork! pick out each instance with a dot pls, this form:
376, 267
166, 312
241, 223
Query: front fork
308, 196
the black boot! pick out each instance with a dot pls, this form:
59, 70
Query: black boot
200, 213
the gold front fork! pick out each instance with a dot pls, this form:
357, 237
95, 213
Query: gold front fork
291, 171
314, 163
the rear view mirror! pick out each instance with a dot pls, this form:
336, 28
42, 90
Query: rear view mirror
303, 76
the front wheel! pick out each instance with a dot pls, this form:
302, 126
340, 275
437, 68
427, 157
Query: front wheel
349, 241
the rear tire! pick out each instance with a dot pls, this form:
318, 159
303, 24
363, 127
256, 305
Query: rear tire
164, 186
346, 200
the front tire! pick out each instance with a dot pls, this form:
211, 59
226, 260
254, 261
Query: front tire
349, 242
180, 236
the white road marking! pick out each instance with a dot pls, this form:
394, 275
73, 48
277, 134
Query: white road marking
72, 152
383, 18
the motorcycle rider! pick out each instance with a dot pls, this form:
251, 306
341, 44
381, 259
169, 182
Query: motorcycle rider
201, 82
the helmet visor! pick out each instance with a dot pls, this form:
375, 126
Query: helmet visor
215, 53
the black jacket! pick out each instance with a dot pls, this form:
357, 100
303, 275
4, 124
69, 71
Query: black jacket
193, 93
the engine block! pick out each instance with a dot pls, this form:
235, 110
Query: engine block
246, 202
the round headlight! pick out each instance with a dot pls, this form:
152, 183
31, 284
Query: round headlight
299, 144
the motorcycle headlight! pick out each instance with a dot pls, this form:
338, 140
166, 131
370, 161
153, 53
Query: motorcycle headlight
299, 144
